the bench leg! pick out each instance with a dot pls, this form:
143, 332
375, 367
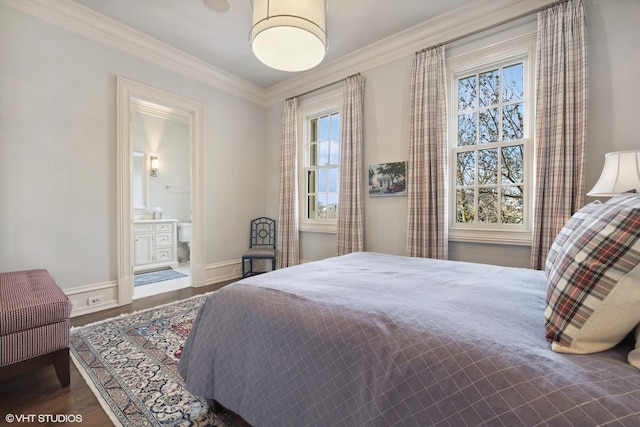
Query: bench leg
61, 364
59, 358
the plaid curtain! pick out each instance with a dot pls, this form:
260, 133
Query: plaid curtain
350, 223
288, 238
561, 122
427, 228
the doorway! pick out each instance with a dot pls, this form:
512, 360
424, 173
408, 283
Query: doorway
161, 190
154, 214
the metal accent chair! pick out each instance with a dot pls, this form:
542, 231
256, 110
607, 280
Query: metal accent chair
262, 244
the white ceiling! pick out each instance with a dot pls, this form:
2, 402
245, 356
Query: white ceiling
221, 39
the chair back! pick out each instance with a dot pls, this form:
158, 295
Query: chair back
263, 232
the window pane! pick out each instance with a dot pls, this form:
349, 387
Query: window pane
323, 182
512, 204
335, 151
466, 168
512, 122
512, 167
489, 88
512, 83
335, 126
324, 128
466, 129
323, 155
311, 207
488, 205
464, 205
327, 180
322, 206
488, 125
332, 206
333, 180
488, 166
467, 93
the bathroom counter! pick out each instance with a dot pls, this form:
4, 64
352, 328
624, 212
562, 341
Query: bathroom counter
154, 244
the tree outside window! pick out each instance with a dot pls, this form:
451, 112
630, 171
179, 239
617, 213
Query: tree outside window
490, 146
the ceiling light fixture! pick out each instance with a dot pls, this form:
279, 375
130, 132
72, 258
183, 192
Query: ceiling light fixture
289, 35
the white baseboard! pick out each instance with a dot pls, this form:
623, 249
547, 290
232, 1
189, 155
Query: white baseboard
92, 298
222, 271
102, 296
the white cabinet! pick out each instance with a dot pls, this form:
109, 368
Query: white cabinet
154, 244
143, 249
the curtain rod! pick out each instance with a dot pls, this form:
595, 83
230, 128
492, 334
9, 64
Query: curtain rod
323, 86
506, 21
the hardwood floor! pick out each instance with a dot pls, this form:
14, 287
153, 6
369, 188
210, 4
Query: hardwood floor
39, 392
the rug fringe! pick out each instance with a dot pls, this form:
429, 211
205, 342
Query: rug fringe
103, 403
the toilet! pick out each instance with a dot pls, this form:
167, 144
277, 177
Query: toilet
184, 233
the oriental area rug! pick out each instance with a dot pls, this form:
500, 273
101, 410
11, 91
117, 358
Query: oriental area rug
130, 362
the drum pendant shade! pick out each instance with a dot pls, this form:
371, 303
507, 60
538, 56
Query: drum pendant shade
289, 35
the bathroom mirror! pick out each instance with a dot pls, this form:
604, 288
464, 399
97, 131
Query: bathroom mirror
139, 180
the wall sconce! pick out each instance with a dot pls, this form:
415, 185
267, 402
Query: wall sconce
154, 165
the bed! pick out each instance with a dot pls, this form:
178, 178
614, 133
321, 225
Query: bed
368, 339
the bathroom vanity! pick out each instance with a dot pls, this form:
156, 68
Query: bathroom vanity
154, 244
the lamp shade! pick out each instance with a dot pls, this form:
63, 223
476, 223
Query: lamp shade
289, 35
621, 173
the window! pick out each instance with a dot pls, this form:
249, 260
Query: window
490, 153
320, 153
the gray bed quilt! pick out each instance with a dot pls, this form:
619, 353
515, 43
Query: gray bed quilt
377, 340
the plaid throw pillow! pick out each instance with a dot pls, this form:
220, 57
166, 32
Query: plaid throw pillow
574, 222
594, 281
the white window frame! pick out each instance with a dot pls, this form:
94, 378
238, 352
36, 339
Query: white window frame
515, 50
322, 104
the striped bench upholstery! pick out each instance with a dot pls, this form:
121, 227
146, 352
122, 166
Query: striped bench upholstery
34, 323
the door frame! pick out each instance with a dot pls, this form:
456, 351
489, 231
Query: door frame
130, 93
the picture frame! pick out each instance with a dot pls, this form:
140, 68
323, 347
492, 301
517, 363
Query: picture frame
388, 179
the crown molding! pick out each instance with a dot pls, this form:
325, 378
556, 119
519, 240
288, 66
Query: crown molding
456, 23
451, 25
83, 21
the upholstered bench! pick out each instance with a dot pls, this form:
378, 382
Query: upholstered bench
34, 324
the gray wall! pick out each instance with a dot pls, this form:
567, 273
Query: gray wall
58, 153
58, 146
613, 32
167, 140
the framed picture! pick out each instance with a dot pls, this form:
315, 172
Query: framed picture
388, 179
